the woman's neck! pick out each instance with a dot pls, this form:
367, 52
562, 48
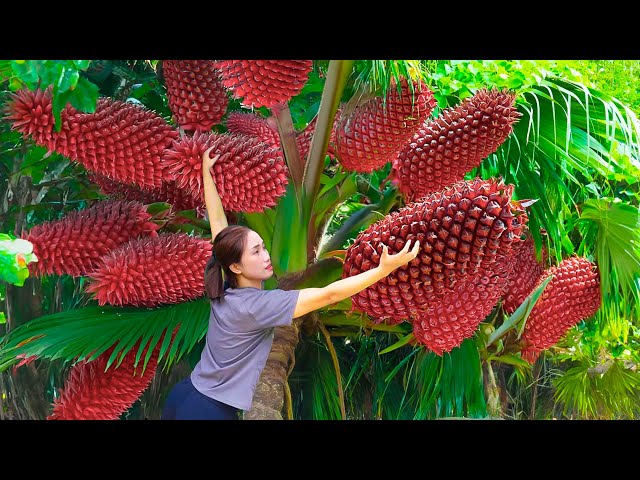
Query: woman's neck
245, 282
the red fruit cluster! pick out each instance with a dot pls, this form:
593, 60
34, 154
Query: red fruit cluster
442, 151
163, 270
264, 83
375, 132
572, 295
122, 141
195, 93
75, 244
91, 393
249, 176
462, 230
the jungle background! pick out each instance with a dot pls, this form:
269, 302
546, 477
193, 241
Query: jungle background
345, 366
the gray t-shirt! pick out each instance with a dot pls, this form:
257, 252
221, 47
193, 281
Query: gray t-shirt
239, 339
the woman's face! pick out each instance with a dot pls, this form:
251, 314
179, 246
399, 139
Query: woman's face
255, 264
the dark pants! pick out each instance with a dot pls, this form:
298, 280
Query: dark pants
186, 403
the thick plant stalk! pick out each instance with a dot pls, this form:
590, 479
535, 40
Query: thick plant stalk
268, 399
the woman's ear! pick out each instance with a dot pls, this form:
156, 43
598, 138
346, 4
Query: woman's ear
235, 268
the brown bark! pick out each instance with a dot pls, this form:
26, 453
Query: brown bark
268, 400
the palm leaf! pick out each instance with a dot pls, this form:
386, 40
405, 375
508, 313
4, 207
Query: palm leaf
617, 242
86, 333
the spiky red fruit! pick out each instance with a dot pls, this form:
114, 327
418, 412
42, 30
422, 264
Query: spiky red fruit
168, 192
572, 295
253, 125
152, 271
442, 151
195, 93
461, 230
29, 112
249, 175
91, 393
74, 244
373, 133
448, 320
264, 83
122, 141
526, 273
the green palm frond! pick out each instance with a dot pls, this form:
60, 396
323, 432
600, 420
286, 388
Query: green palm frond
377, 75
607, 391
569, 139
86, 333
614, 227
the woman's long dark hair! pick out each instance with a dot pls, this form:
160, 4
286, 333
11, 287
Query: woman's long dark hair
227, 249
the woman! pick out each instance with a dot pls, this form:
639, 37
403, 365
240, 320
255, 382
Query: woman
244, 315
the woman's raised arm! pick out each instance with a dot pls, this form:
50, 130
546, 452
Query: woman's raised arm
215, 212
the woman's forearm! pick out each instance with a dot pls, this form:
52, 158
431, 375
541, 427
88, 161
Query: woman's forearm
341, 289
215, 212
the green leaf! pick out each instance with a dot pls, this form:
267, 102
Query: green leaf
400, 343
85, 96
68, 80
87, 332
510, 359
519, 317
82, 64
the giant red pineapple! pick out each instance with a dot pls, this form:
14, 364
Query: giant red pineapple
461, 230
163, 270
169, 192
122, 141
572, 295
91, 393
443, 150
264, 83
195, 93
446, 321
253, 125
75, 244
375, 132
526, 273
266, 131
249, 175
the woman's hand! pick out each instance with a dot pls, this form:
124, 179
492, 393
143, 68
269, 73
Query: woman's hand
391, 262
207, 161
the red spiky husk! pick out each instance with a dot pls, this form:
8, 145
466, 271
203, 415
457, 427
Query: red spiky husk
572, 295
375, 132
448, 320
461, 230
526, 273
266, 131
149, 272
75, 244
195, 93
168, 192
91, 393
253, 125
122, 141
443, 150
249, 175
264, 83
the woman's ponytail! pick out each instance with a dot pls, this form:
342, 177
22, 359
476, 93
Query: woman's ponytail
227, 249
213, 282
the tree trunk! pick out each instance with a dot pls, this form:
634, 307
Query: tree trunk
269, 397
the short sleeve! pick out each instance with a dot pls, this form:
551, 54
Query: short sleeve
273, 308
